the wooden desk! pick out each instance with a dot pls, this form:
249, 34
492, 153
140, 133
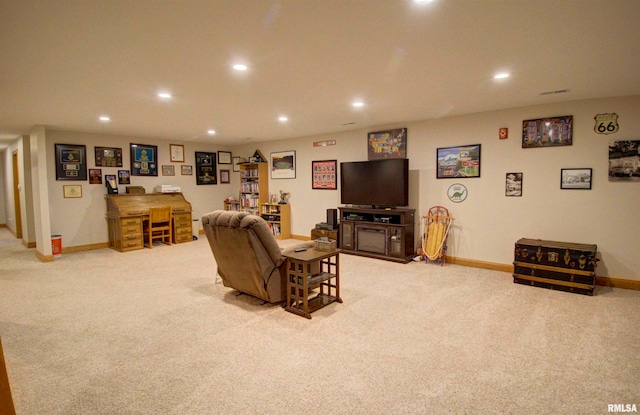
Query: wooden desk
127, 212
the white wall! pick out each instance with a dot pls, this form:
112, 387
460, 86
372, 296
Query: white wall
82, 221
487, 223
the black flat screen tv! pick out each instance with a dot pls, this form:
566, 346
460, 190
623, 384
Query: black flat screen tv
377, 183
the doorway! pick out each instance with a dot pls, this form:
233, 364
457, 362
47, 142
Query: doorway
16, 195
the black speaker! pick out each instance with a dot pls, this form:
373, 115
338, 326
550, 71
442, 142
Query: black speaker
332, 217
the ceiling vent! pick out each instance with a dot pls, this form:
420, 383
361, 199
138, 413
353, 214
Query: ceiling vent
560, 91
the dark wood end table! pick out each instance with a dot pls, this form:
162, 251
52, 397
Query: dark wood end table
309, 270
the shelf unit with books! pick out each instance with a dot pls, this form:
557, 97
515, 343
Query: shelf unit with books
254, 186
278, 218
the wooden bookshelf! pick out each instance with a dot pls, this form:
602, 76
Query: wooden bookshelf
278, 218
254, 186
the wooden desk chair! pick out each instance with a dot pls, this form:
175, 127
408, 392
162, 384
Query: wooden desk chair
159, 226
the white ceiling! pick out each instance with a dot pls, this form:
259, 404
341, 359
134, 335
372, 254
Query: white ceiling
64, 63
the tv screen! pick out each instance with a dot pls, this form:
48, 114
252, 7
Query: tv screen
376, 182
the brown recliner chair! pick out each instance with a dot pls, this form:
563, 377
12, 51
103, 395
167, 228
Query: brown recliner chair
247, 254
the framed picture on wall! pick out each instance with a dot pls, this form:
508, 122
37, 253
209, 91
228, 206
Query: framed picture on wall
144, 160
513, 185
458, 162
624, 160
324, 174
206, 168
224, 157
283, 165
575, 179
177, 152
186, 170
71, 162
108, 156
168, 170
123, 177
72, 191
224, 176
387, 144
95, 176
547, 132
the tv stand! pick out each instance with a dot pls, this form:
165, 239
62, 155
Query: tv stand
384, 233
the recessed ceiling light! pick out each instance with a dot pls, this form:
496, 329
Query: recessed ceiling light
240, 67
164, 95
358, 104
211, 132
104, 118
283, 119
501, 75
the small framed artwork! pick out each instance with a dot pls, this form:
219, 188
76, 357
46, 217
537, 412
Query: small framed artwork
575, 179
224, 176
513, 185
71, 162
144, 160
72, 191
224, 157
186, 170
324, 174
108, 156
206, 168
124, 177
387, 144
458, 162
168, 170
95, 176
547, 132
177, 152
283, 165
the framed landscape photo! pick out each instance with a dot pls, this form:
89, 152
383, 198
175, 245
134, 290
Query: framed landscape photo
177, 152
387, 144
575, 179
283, 165
324, 174
71, 162
108, 156
547, 132
144, 160
206, 168
458, 162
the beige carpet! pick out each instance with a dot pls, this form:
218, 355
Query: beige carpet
148, 332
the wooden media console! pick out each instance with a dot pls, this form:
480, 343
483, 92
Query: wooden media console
378, 233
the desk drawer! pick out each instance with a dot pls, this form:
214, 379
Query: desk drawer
137, 221
134, 231
181, 219
183, 234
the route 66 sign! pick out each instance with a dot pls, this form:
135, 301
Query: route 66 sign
606, 123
